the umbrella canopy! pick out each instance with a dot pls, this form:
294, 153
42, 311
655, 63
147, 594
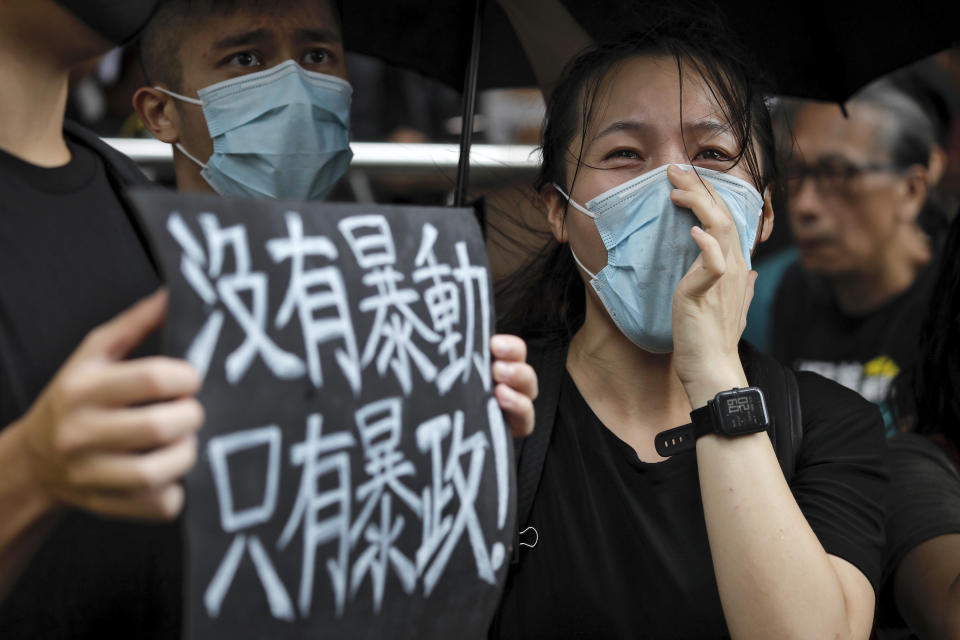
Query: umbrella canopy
444, 42
434, 38
814, 49
118, 21
811, 49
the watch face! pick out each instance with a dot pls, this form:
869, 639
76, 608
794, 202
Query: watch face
742, 411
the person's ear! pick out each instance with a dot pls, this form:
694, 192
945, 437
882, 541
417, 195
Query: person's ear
556, 207
916, 182
937, 165
158, 114
766, 218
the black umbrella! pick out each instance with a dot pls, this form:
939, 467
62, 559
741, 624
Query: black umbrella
815, 50
466, 44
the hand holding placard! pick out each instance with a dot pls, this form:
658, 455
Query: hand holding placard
516, 382
115, 436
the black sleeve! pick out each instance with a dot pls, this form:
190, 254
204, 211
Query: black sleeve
841, 474
785, 311
923, 500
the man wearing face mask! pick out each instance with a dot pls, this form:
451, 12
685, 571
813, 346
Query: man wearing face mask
255, 100
253, 97
89, 440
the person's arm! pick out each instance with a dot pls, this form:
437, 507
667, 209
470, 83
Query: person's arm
774, 577
28, 510
106, 435
922, 523
549, 35
927, 588
771, 569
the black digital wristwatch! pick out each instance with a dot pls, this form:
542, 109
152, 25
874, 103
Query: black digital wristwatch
731, 413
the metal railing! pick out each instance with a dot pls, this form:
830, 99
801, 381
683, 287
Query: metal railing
438, 161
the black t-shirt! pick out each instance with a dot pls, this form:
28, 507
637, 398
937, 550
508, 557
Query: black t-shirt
923, 502
70, 259
864, 353
623, 549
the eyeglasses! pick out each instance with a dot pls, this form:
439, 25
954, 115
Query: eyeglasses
831, 178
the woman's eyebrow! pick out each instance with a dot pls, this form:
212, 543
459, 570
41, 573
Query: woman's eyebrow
712, 127
631, 126
705, 126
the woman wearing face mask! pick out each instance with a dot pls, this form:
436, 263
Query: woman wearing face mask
657, 168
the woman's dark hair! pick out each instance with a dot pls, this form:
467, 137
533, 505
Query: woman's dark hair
546, 299
927, 395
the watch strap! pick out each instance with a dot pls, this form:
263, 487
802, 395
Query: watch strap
708, 419
684, 438
676, 440
705, 419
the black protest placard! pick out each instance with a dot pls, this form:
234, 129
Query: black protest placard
355, 475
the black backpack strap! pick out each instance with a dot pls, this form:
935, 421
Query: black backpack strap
779, 385
796, 417
531, 451
122, 172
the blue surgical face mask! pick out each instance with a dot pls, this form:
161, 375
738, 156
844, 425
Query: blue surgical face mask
279, 133
649, 248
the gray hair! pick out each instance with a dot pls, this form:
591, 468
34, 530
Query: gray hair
908, 133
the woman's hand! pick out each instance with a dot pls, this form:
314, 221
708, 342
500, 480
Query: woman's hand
710, 303
516, 382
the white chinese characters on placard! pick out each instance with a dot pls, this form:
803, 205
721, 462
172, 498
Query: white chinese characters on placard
354, 455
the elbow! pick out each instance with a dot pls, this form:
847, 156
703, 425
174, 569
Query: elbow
951, 622
952, 629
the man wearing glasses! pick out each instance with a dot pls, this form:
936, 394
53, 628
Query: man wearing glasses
850, 307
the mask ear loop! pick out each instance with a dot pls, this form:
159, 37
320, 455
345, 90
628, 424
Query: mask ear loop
580, 264
576, 206
586, 212
202, 165
756, 240
178, 96
173, 94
